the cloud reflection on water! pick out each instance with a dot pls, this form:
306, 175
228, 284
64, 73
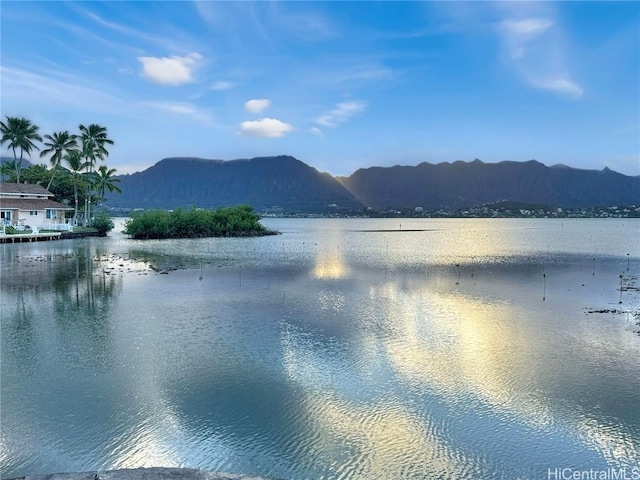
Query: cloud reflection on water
458, 343
326, 353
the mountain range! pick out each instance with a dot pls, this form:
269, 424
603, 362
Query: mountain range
279, 184
285, 184
464, 184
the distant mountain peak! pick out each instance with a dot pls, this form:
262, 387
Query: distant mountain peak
278, 183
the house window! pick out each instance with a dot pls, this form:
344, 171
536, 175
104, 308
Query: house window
33, 212
49, 213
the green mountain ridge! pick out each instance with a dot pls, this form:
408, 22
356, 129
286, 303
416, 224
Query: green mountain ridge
280, 183
286, 184
464, 184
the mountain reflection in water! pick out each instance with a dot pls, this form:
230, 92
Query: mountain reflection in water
326, 352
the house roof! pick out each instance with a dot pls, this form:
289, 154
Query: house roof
28, 204
23, 189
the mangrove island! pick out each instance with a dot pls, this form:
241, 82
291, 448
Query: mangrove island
237, 221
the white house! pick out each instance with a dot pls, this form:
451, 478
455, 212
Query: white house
23, 204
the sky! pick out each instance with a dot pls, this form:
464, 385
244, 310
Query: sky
338, 85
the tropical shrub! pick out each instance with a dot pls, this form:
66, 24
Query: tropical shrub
103, 223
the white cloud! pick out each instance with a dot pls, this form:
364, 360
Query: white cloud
527, 26
535, 46
172, 71
267, 127
181, 108
561, 85
257, 105
316, 131
520, 34
343, 112
222, 85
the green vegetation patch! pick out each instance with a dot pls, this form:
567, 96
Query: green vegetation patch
102, 223
195, 223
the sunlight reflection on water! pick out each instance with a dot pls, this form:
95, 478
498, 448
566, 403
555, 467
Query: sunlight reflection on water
326, 352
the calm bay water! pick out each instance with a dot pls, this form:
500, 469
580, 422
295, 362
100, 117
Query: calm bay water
339, 349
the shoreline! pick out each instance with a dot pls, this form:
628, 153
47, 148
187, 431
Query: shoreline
151, 473
46, 236
241, 234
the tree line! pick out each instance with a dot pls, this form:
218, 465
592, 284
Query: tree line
75, 173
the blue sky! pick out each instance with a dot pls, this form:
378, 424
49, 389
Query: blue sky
337, 85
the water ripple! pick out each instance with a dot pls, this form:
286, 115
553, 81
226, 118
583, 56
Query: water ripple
324, 353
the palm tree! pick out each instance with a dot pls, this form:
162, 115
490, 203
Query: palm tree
59, 143
20, 133
8, 171
94, 138
73, 159
104, 180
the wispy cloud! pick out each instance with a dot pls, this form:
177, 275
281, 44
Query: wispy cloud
111, 25
344, 71
316, 131
559, 85
182, 108
222, 85
206, 12
171, 71
88, 36
265, 19
527, 26
305, 24
257, 105
267, 127
343, 112
20, 85
520, 33
428, 31
164, 41
69, 91
241, 21
535, 45
368, 73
